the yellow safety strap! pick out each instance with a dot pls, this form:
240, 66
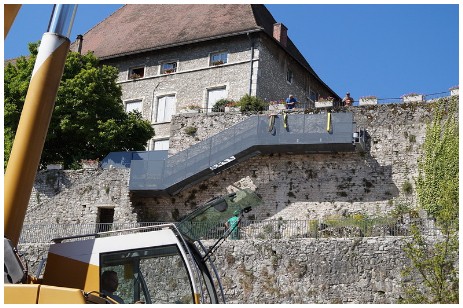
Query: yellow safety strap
328, 124
285, 119
271, 122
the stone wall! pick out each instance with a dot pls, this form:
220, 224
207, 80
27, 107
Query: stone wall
291, 186
313, 185
273, 66
363, 270
348, 271
74, 197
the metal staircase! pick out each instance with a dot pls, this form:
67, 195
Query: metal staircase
154, 173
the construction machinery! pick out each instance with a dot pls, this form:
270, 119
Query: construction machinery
155, 264
162, 264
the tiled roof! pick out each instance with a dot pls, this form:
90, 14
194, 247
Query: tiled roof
142, 27
136, 28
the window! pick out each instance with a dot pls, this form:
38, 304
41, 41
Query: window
137, 72
289, 76
168, 67
213, 95
219, 58
161, 145
152, 275
135, 105
166, 108
313, 96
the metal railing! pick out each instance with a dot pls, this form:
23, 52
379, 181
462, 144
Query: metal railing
39, 233
249, 229
252, 136
309, 105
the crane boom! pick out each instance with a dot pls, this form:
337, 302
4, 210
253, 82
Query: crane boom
11, 10
35, 119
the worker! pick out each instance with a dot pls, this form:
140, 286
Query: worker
347, 100
233, 225
109, 284
291, 102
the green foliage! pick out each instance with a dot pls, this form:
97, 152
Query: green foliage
435, 259
252, 103
407, 187
363, 222
220, 105
436, 262
437, 183
88, 121
190, 130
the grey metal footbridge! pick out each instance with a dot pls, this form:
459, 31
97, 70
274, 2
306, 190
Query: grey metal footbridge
153, 172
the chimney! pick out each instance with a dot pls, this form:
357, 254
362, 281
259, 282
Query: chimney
280, 33
79, 39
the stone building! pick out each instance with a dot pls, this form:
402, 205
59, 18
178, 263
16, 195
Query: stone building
174, 56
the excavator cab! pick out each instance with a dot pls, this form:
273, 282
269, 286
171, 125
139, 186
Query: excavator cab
152, 265
160, 264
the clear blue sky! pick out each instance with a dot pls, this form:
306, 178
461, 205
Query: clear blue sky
382, 50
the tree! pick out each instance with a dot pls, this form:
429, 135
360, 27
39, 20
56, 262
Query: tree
88, 121
435, 258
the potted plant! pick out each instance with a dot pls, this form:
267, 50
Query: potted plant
412, 97
169, 71
454, 90
368, 100
324, 102
218, 62
219, 105
134, 76
277, 105
232, 106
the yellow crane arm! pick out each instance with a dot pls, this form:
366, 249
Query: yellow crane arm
35, 118
11, 10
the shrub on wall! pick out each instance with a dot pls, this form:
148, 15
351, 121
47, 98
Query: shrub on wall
220, 105
252, 103
436, 259
191, 130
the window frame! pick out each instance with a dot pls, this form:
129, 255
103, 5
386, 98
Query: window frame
159, 98
153, 147
315, 95
289, 76
132, 72
130, 101
108, 261
219, 61
167, 71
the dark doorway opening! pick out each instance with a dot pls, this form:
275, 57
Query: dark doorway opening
105, 219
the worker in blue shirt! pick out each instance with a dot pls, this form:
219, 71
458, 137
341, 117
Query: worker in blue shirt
291, 102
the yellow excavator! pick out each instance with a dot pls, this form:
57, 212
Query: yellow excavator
155, 264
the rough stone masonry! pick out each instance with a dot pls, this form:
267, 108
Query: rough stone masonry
363, 270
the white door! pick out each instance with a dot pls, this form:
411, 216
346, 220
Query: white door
214, 95
166, 108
